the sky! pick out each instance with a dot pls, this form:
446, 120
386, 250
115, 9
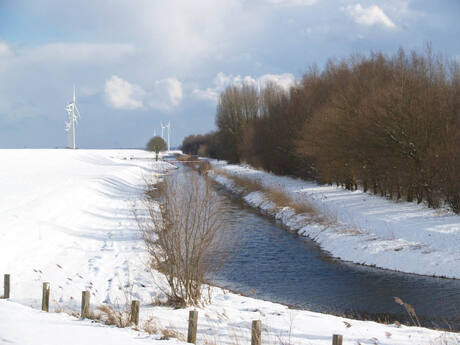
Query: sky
138, 63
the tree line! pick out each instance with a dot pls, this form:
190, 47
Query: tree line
385, 124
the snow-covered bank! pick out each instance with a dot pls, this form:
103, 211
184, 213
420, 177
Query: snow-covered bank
366, 229
25, 326
66, 218
226, 321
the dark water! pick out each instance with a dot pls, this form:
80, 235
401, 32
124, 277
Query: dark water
276, 265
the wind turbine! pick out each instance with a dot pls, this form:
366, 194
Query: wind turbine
168, 126
162, 128
73, 114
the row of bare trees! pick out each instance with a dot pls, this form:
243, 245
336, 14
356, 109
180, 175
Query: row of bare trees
387, 124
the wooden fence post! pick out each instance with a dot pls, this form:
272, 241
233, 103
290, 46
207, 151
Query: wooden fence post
46, 297
337, 339
192, 326
256, 332
6, 286
135, 312
85, 304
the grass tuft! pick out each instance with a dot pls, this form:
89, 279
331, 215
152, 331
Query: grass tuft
278, 196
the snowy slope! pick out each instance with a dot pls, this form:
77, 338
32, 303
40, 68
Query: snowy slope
21, 325
366, 229
66, 218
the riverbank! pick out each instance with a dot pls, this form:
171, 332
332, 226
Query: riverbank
356, 226
66, 218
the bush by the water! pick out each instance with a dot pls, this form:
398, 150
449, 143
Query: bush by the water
156, 144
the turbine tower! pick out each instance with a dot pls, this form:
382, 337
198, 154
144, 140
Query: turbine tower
162, 129
72, 119
168, 126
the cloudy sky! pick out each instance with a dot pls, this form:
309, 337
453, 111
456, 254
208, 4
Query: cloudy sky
136, 63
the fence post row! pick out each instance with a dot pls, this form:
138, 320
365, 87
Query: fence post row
85, 304
135, 312
6, 286
256, 332
337, 339
256, 329
192, 326
46, 297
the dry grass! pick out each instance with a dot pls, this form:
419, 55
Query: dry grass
355, 230
58, 307
279, 197
410, 310
282, 199
111, 316
151, 326
185, 158
168, 333
247, 184
92, 315
204, 167
160, 301
209, 340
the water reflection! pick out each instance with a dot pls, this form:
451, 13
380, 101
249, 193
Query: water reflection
282, 267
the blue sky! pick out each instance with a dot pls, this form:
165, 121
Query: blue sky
139, 62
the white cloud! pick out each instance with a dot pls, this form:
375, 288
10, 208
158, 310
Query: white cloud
175, 33
164, 95
4, 50
45, 74
369, 16
222, 80
121, 94
285, 80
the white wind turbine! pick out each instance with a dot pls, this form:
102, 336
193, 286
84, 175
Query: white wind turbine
162, 129
73, 114
168, 126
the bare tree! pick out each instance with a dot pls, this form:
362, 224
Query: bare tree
185, 236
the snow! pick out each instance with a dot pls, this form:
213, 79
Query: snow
363, 228
66, 218
26, 326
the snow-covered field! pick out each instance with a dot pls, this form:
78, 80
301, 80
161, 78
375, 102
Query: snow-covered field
66, 218
23, 326
365, 229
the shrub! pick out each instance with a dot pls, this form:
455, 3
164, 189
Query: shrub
185, 237
156, 144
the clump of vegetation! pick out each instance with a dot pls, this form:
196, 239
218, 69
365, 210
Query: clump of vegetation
410, 311
185, 235
204, 167
110, 315
278, 196
246, 183
156, 144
